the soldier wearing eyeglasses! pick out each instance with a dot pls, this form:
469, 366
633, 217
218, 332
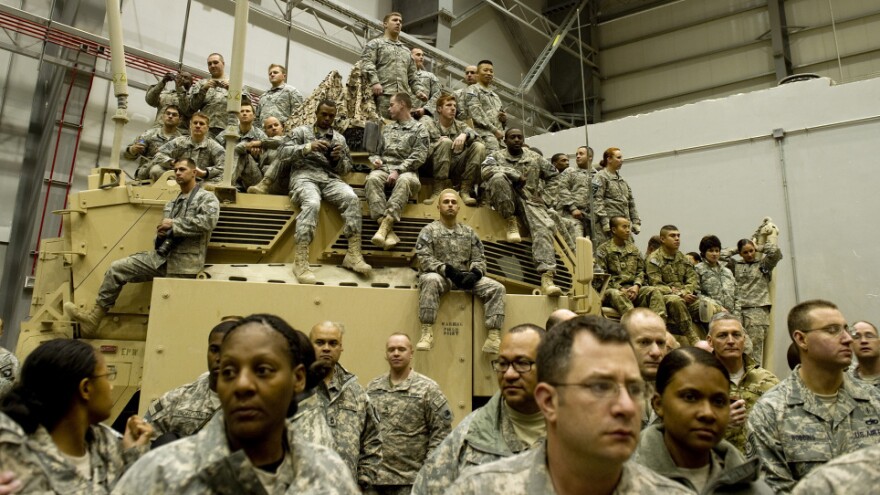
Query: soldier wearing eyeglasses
818, 412
508, 424
866, 349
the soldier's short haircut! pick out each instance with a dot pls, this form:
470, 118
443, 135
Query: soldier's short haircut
558, 317
635, 312
222, 328
589, 150
556, 156
201, 115
667, 229
799, 316
508, 131
443, 99
189, 162
680, 359
326, 102
653, 242
528, 327
283, 68
708, 242
554, 352
402, 334
616, 220
217, 54
246, 103
327, 323
484, 62
174, 107
722, 316
403, 98
390, 15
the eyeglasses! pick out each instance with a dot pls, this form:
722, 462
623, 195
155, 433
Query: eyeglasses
833, 330
863, 336
520, 366
111, 375
609, 389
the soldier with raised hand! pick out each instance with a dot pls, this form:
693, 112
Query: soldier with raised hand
415, 417
402, 150
181, 247
484, 107
866, 349
430, 83
146, 145
612, 196
514, 179
388, 67
208, 156
160, 98
574, 198
451, 255
454, 152
281, 100
209, 95
673, 275
818, 412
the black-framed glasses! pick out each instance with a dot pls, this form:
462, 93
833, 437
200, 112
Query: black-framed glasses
111, 375
834, 330
520, 365
609, 389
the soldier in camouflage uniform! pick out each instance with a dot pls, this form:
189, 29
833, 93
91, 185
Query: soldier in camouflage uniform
208, 156
620, 258
160, 98
415, 417
818, 412
250, 145
552, 189
857, 473
470, 77
281, 100
388, 67
484, 107
8, 369
574, 198
450, 254
673, 275
454, 151
514, 179
275, 177
147, 144
209, 95
866, 349
510, 423
430, 83
648, 336
187, 223
748, 381
402, 150
350, 413
717, 285
612, 196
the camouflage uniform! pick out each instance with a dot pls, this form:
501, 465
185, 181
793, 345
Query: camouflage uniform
792, 431
355, 424
153, 138
193, 224
310, 421
208, 155
483, 106
527, 474
185, 410
8, 371
574, 194
432, 88
211, 102
730, 471
42, 468
461, 112
464, 165
415, 419
159, 98
280, 102
613, 197
755, 382
390, 64
627, 268
460, 248
501, 177
857, 473
752, 302
853, 372
716, 284
203, 464
247, 170
485, 435
404, 148
668, 272
313, 177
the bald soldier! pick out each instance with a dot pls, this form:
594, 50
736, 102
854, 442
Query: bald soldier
647, 334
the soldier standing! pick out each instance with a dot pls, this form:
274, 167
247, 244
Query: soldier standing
281, 100
673, 275
145, 146
620, 258
209, 95
574, 197
612, 196
431, 86
484, 107
416, 418
454, 151
450, 254
160, 98
866, 348
388, 67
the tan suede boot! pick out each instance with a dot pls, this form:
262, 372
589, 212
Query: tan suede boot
513, 230
354, 259
384, 226
466, 198
548, 288
301, 268
261, 187
88, 320
426, 341
493, 342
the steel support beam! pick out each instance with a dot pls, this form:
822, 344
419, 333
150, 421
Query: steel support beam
543, 59
779, 39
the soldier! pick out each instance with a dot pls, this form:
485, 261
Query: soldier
281, 100
647, 334
508, 424
207, 155
589, 391
620, 258
146, 145
247, 448
160, 98
388, 67
470, 77
350, 413
748, 381
866, 348
251, 142
317, 157
209, 95
403, 149
612, 196
450, 254
8, 369
185, 410
669, 271
416, 417
431, 86
574, 197
274, 180
513, 179
454, 148
181, 246
818, 412
484, 107
717, 285
856, 473
552, 189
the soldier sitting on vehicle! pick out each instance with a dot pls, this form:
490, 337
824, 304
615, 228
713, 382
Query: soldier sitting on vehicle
207, 155
146, 145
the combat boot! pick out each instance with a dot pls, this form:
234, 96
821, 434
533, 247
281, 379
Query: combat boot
439, 186
262, 187
426, 342
493, 342
301, 268
354, 259
391, 239
88, 320
384, 226
466, 198
548, 288
513, 230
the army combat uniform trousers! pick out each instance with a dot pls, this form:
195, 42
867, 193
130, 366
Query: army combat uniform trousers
756, 323
306, 192
648, 297
407, 186
433, 285
139, 267
464, 166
